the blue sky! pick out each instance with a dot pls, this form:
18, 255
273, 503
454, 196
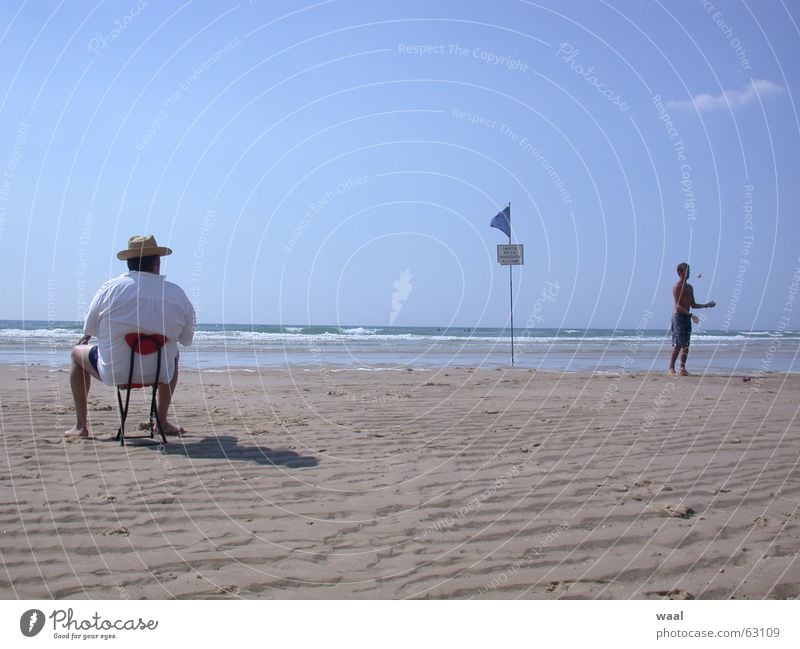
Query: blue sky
304, 159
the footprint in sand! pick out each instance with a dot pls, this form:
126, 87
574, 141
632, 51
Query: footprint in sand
230, 589
676, 511
675, 593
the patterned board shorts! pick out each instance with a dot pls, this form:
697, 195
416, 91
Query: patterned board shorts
681, 329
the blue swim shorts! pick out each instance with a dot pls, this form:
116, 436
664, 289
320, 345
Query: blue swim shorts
681, 329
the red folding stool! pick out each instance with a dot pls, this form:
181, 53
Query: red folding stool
144, 345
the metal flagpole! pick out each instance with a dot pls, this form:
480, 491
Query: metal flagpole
511, 288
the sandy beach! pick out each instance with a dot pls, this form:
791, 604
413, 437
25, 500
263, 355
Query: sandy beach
450, 483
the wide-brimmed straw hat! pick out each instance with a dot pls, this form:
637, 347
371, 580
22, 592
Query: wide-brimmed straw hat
141, 246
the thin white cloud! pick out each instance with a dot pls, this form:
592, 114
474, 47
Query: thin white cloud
730, 98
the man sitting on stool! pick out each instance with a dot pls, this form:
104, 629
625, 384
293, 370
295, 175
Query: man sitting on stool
140, 300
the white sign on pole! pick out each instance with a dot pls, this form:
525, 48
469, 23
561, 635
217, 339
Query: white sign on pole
511, 255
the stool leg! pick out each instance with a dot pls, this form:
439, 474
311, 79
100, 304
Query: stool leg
123, 414
154, 416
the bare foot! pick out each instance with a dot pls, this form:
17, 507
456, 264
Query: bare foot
672, 371
76, 432
685, 373
171, 429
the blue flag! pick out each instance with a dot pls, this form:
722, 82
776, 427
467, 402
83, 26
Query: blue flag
503, 221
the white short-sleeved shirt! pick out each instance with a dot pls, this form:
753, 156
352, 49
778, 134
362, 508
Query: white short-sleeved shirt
138, 302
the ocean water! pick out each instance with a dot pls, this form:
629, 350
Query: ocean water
221, 346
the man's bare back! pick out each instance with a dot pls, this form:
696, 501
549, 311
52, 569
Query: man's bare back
683, 292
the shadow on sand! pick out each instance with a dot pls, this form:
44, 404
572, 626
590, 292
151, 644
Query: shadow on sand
226, 447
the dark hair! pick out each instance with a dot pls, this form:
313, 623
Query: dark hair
143, 264
682, 268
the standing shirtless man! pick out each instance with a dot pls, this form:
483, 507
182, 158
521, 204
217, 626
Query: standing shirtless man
682, 318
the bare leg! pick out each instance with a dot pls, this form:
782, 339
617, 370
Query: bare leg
164, 401
674, 357
684, 356
80, 380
